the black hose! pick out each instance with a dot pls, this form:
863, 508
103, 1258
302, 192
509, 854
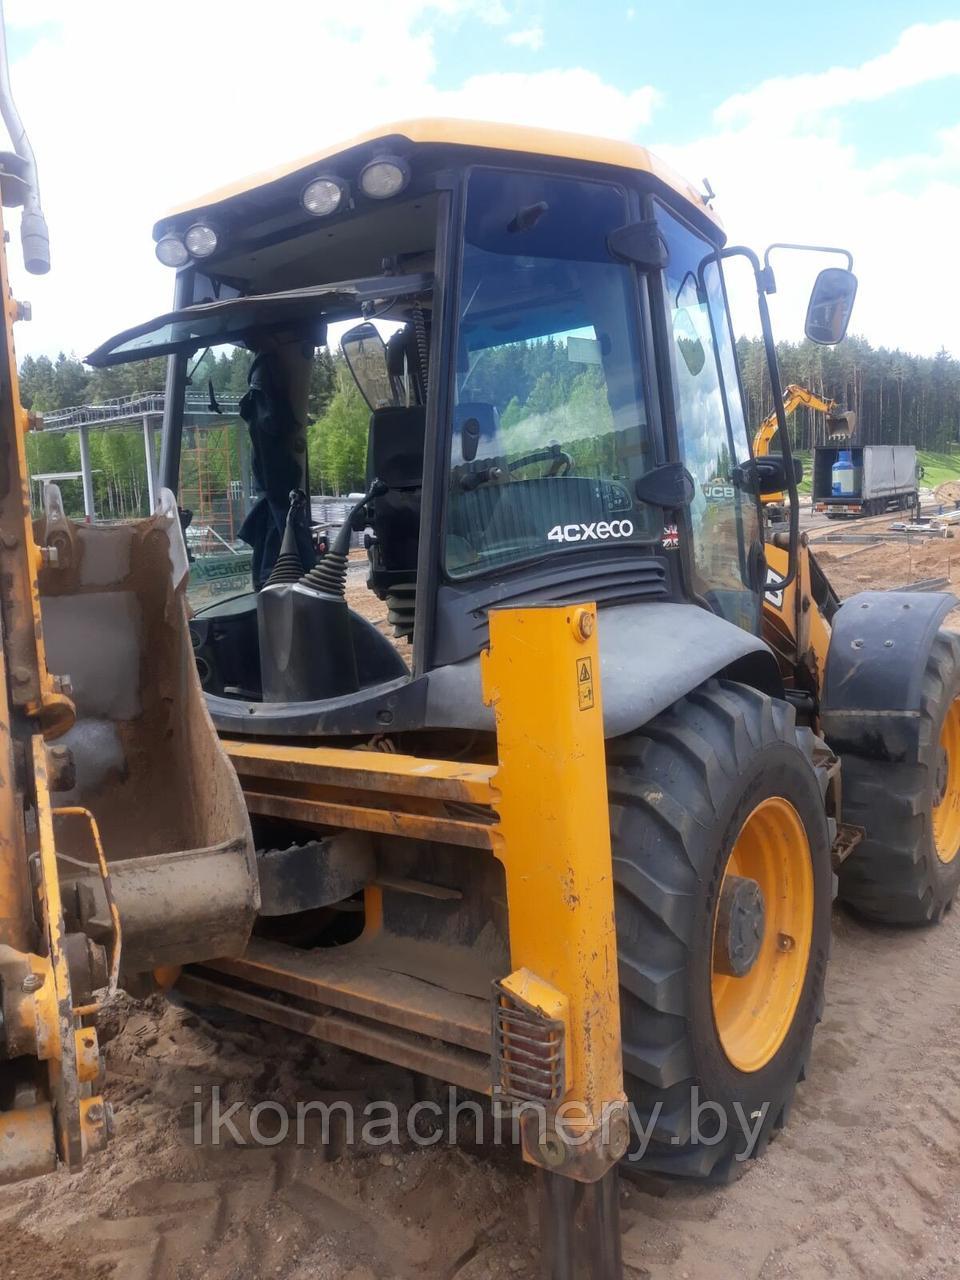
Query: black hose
329, 575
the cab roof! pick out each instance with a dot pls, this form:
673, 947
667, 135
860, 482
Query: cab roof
474, 134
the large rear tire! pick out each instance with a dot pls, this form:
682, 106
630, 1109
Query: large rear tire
906, 870
715, 788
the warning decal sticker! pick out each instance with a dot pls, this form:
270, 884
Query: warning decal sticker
585, 683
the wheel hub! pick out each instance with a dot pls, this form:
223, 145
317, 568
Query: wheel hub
764, 927
740, 926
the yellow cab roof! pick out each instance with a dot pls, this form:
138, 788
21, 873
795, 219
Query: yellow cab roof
477, 135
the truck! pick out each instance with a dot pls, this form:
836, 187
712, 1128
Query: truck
880, 477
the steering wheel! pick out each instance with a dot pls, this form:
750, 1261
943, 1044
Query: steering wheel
562, 462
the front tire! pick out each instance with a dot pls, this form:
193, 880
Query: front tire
717, 786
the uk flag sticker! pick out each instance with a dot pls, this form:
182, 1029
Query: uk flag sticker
671, 537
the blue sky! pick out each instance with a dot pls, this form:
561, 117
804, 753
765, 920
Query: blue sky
828, 123
701, 53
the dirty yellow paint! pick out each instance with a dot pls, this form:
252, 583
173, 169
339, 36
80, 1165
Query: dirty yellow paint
554, 838
477, 135
792, 614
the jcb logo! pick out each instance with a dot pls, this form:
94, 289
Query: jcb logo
600, 530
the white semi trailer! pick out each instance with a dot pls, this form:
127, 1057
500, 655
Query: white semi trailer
878, 478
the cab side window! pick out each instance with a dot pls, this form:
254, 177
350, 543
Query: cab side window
712, 432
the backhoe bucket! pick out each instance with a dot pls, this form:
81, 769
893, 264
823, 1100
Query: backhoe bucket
143, 757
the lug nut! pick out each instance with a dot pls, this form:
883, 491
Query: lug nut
32, 982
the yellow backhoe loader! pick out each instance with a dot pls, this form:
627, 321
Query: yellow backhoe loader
841, 427
573, 844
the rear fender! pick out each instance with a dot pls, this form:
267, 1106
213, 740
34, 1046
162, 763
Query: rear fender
873, 684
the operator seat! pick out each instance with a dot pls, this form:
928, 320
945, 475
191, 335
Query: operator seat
395, 446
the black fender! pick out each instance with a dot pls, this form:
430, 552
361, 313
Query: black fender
651, 655
873, 682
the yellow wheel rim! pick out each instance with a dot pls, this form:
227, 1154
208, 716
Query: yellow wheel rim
753, 1013
946, 810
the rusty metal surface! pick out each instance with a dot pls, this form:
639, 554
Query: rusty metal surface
580, 1227
365, 771
62, 1068
27, 1145
176, 907
355, 979
77, 811
394, 822
847, 838
33, 689
391, 1044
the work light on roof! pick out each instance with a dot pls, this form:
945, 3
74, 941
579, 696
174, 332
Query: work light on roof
323, 196
201, 240
171, 251
383, 177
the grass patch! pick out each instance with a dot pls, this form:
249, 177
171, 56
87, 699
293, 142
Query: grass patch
938, 468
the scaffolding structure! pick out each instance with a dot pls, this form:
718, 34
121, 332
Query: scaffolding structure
147, 412
216, 498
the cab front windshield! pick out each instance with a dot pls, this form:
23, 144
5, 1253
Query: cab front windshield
549, 423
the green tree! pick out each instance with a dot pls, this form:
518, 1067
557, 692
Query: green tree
337, 441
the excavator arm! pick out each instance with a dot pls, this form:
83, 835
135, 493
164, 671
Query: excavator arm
841, 425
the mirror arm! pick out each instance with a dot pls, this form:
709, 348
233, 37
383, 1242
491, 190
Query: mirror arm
807, 248
776, 388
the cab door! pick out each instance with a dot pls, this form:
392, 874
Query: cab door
724, 530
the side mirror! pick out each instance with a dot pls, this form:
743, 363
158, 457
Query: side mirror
766, 475
366, 355
830, 306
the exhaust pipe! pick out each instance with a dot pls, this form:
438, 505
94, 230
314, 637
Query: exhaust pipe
33, 225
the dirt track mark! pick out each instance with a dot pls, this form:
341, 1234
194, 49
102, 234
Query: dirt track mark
863, 1183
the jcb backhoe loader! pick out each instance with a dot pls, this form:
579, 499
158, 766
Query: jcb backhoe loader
576, 844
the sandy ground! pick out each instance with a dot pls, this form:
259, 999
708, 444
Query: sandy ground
865, 1181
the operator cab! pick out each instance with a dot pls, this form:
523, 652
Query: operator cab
538, 326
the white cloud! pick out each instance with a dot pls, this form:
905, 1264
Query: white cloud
121, 136
924, 53
531, 38
572, 99
782, 170
127, 121
24, 14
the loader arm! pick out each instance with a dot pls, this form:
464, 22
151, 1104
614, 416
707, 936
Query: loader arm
125, 844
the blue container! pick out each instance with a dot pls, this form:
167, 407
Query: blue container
842, 475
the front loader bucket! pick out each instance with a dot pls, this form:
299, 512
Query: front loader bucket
143, 757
